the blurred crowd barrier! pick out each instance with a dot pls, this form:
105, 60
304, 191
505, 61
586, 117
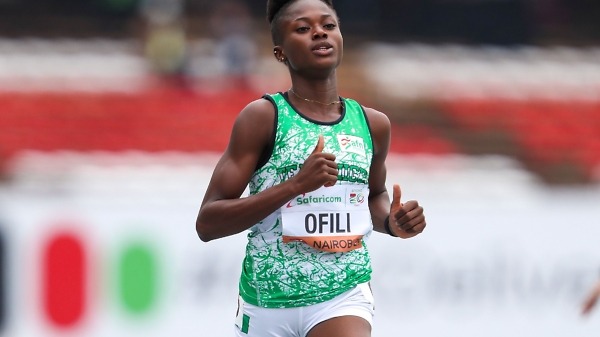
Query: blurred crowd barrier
539, 105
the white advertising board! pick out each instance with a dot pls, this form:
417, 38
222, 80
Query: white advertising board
503, 255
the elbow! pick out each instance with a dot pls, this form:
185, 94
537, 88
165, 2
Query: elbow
203, 233
203, 228
204, 238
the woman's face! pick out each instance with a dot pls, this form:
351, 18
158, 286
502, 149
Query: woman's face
312, 40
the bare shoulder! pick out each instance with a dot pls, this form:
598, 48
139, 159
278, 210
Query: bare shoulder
380, 126
259, 108
254, 126
378, 120
257, 115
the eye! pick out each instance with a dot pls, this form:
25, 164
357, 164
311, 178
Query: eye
302, 29
330, 26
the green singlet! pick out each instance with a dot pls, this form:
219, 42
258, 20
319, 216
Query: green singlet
284, 275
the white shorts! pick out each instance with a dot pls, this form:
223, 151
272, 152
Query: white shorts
254, 321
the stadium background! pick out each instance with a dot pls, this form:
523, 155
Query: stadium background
113, 112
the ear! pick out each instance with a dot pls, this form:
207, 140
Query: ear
278, 53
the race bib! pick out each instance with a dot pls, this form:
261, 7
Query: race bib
331, 219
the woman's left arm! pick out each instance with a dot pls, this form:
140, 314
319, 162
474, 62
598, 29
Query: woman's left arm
403, 220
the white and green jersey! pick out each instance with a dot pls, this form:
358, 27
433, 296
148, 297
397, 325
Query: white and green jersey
294, 272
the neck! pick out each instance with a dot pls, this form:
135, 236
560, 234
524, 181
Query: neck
337, 100
323, 88
321, 92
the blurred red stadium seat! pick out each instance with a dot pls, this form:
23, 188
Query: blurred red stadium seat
420, 139
156, 120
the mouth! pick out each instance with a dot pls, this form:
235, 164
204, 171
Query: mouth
322, 49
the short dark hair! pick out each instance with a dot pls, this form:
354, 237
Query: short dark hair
274, 10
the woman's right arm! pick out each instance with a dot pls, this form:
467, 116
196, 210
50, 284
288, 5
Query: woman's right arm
223, 212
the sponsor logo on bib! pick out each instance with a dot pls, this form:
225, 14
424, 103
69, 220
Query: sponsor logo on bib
352, 144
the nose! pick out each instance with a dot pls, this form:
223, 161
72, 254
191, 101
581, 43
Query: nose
319, 33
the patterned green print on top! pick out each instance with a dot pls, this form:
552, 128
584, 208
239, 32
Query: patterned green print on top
277, 274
